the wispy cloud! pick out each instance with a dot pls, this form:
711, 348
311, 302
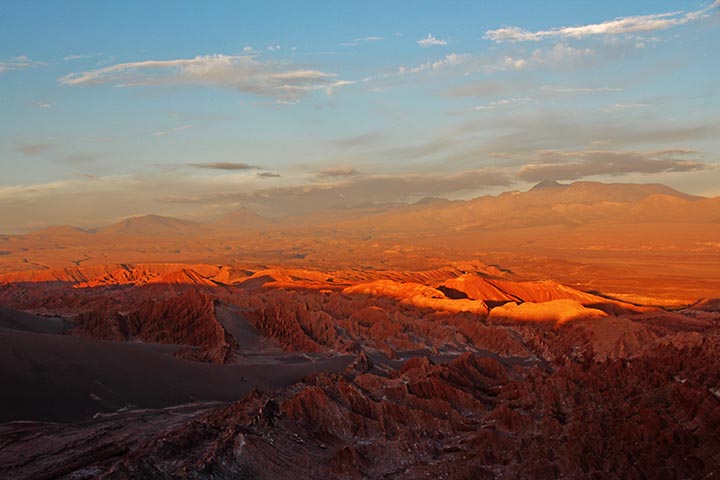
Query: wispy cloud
577, 90
431, 41
162, 133
507, 63
225, 166
34, 148
266, 175
573, 165
240, 72
617, 26
80, 56
337, 172
43, 105
18, 63
621, 107
450, 60
503, 103
487, 87
559, 54
355, 42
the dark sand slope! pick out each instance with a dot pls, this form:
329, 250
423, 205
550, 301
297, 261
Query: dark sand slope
48, 377
25, 322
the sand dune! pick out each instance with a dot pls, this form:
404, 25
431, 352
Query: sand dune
25, 322
59, 377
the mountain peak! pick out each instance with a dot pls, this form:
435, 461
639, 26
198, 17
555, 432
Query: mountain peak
548, 184
245, 217
148, 225
432, 201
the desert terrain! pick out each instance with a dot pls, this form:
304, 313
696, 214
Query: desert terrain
568, 331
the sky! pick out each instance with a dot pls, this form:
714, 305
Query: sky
193, 109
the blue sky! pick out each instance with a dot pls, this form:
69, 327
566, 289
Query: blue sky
192, 109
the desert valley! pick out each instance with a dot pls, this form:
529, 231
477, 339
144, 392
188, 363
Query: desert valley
442, 339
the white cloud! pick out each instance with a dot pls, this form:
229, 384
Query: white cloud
560, 54
330, 89
503, 103
43, 105
507, 63
240, 72
431, 41
557, 55
617, 26
449, 60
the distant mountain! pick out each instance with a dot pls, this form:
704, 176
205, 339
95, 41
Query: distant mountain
676, 209
151, 225
589, 192
548, 184
547, 203
433, 201
244, 218
59, 231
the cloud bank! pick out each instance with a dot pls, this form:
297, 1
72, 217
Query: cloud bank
617, 26
564, 165
240, 72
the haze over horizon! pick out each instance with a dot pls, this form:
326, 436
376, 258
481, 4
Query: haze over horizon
133, 108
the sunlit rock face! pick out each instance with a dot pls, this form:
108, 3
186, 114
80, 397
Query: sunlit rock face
303, 373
